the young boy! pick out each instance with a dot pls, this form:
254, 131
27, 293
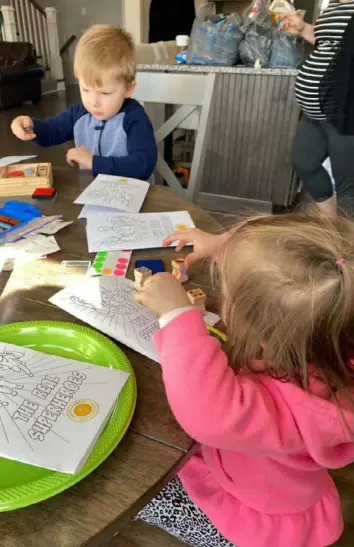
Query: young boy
113, 134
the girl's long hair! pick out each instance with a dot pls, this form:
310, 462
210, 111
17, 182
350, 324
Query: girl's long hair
287, 298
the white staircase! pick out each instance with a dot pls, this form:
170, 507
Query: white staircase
27, 21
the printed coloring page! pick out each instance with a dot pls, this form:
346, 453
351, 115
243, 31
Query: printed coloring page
115, 232
53, 409
108, 304
115, 192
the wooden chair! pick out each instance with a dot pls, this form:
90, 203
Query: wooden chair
193, 94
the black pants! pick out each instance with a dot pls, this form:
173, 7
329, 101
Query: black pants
314, 142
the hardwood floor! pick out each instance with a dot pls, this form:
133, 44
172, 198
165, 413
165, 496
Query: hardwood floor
139, 534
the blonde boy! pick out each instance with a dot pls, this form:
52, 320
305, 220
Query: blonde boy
112, 133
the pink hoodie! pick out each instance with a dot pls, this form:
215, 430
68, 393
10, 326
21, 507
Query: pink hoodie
260, 473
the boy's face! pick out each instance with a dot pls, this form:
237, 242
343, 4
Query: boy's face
106, 101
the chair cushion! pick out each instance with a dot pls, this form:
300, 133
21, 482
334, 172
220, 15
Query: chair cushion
20, 73
17, 53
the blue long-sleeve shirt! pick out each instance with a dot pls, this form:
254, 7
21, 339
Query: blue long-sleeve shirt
124, 145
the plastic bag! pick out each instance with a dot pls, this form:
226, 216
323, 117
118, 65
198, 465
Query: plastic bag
257, 44
214, 41
285, 51
279, 8
257, 14
205, 11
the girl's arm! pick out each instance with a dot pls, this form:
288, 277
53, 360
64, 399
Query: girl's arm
212, 404
204, 245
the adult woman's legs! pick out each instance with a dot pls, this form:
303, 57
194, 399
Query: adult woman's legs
341, 153
310, 149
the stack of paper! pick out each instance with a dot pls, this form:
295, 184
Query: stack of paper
52, 410
108, 194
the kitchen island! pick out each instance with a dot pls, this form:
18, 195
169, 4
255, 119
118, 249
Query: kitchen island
253, 120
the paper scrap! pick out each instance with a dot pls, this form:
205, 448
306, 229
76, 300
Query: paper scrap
26, 250
8, 160
9, 236
118, 192
210, 318
13, 254
88, 210
53, 227
115, 232
42, 245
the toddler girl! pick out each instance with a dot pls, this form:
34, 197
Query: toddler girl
275, 409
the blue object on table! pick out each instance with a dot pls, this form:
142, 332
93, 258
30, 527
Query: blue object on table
156, 266
17, 210
20, 210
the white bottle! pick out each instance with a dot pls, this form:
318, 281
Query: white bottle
182, 48
182, 41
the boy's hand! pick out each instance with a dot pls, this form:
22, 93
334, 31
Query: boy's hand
162, 293
205, 245
22, 128
80, 156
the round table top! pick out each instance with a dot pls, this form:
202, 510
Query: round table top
92, 511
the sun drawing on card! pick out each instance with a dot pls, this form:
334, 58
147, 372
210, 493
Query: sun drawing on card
82, 410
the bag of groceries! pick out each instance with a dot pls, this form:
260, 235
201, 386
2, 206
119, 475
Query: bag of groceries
215, 38
286, 50
256, 47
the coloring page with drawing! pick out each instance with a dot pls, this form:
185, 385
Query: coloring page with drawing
116, 232
108, 304
115, 192
53, 409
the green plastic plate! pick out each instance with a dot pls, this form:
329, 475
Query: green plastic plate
22, 484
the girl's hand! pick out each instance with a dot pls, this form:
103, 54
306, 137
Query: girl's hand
162, 293
293, 23
22, 128
205, 245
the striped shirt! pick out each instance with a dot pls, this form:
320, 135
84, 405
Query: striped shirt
329, 30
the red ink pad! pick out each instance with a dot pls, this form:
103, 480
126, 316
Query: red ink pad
13, 174
44, 193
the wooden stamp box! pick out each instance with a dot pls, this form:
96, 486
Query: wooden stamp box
39, 175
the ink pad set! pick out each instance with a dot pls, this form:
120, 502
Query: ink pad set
23, 179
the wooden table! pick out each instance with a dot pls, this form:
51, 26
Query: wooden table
93, 511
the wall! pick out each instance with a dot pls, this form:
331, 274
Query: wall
76, 16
